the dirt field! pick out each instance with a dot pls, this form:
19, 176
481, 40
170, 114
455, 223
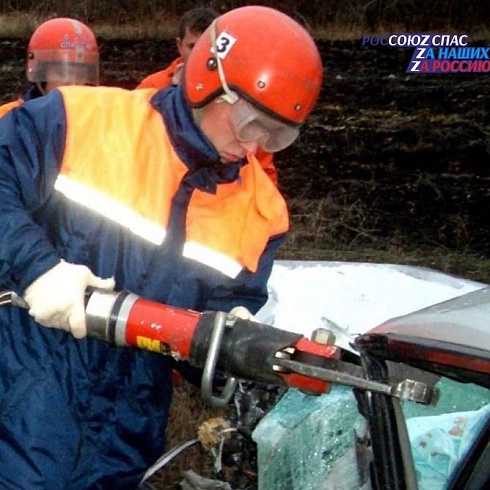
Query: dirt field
413, 150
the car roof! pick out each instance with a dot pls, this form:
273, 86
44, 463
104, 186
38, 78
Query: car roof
453, 334
464, 321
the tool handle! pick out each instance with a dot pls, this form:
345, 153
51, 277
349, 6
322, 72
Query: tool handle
18, 301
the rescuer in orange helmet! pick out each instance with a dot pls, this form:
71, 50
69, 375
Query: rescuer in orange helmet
192, 24
157, 192
61, 52
264, 88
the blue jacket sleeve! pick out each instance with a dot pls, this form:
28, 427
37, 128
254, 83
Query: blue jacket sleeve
32, 139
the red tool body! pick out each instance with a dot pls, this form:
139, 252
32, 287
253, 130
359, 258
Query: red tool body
245, 349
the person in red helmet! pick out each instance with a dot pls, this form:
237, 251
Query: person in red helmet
61, 52
153, 192
192, 24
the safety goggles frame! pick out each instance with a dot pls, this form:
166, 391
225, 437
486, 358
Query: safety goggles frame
249, 123
252, 125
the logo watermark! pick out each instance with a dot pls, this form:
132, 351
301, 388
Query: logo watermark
437, 53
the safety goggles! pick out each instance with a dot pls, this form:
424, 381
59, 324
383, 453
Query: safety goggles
250, 124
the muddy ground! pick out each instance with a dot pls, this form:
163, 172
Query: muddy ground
411, 150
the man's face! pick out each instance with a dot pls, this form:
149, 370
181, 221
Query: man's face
240, 128
216, 124
185, 44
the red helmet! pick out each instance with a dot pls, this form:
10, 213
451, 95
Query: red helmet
64, 49
264, 56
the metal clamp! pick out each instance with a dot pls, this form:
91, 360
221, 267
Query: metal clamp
210, 366
349, 375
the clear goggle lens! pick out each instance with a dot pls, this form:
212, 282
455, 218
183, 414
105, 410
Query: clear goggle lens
64, 66
250, 124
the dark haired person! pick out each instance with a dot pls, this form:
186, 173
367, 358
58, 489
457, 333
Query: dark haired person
192, 24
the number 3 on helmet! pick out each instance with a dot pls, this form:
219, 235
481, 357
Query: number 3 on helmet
264, 56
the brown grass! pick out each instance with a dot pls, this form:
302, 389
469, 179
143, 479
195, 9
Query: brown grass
335, 20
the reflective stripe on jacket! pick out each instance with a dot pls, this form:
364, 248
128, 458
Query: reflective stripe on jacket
247, 212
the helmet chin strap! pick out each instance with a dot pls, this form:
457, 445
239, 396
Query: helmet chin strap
229, 96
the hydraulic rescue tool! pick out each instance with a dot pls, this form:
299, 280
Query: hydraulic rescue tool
213, 341
221, 342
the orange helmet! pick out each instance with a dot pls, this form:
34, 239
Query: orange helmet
65, 49
264, 56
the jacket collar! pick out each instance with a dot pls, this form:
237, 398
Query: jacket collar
32, 93
191, 145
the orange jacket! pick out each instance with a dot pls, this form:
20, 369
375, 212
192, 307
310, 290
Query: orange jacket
266, 161
163, 79
228, 230
9, 105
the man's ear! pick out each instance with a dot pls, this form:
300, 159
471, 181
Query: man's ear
178, 42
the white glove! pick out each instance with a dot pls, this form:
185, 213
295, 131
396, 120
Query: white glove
242, 313
57, 298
